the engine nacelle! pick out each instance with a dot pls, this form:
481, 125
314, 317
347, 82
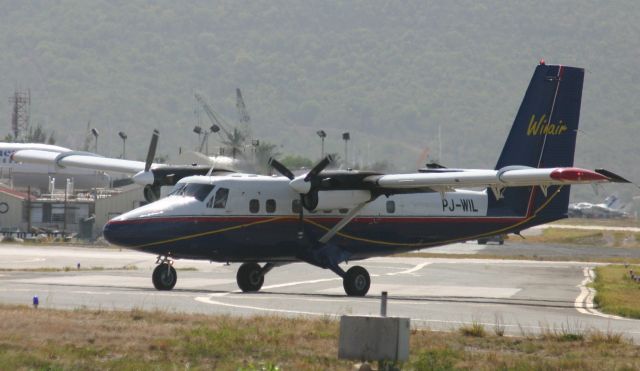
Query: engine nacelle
333, 200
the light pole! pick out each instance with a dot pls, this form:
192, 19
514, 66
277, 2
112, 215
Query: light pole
123, 136
95, 133
346, 137
322, 135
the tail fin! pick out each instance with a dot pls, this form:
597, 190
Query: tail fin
544, 131
543, 135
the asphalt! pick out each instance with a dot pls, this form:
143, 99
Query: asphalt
519, 296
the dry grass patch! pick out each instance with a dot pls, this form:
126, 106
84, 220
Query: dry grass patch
616, 292
520, 257
624, 222
140, 340
584, 237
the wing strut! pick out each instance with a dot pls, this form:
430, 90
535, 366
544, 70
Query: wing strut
342, 223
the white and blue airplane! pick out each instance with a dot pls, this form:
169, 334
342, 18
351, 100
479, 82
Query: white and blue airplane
37, 175
329, 218
152, 176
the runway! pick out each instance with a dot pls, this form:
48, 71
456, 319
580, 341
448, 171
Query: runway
522, 297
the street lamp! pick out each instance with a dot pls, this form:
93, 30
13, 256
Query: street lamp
95, 133
346, 137
322, 135
123, 136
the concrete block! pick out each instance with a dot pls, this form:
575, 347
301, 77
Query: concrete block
369, 338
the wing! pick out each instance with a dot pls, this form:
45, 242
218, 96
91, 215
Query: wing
84, 160
494, 179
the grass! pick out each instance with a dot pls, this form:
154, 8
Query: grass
626, 222
140, 340
584, 238
616, 292
618, 260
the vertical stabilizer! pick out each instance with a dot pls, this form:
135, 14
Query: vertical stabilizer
543, 135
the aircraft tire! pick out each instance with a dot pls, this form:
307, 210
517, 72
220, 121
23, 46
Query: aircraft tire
164, 277
249, 278
356, 281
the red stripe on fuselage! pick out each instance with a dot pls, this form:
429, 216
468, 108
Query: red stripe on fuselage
294, 218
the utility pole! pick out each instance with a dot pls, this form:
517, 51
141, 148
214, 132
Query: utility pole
346, 137
322, 135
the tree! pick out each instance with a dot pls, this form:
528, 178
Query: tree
263, 152
295, 162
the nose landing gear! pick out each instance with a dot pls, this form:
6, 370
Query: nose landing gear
164, 276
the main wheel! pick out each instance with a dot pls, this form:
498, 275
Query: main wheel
249, 278
164, 277
356, 281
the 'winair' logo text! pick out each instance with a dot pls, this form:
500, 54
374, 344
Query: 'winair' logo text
543, 127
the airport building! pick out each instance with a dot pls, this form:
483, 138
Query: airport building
81, 213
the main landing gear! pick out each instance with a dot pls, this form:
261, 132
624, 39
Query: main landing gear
164, 276
356, 281
250, 276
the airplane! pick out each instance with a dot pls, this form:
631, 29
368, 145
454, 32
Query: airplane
610, 208
328, 218
152, 176
38, 175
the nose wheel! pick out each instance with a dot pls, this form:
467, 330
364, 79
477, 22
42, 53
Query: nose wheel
164, 277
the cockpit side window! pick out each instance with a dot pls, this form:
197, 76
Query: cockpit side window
220, 201
177, 190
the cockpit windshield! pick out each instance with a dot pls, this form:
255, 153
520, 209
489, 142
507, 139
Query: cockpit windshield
199, 191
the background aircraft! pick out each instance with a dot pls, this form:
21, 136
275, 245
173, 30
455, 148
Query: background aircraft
37, 175
356, 215
612, 207
152, 176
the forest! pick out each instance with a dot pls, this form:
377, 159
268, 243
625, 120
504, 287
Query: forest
410, 81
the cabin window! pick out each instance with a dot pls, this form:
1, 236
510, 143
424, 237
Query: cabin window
221, 198
254, 206
271, 205
391, 207
295, 206
343, 211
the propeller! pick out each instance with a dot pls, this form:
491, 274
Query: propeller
306, 185
151, 154
146, 177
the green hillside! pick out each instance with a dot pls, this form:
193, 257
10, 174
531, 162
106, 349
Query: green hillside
388, 72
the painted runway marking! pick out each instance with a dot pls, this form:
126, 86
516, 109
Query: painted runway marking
584, 301
289, 284
410, 270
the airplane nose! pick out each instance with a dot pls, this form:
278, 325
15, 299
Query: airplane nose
118, 233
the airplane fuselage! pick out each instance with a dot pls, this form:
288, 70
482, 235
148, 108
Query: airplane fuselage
259, 221
22, 175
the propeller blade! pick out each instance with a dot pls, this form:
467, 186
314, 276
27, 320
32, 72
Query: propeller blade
280, 168
152, 150
318, 168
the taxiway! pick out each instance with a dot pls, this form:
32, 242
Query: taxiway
518, 296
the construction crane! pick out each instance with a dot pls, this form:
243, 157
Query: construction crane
243, 114
234, 140
213, 117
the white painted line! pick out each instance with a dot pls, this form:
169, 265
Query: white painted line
410, 270
584, 301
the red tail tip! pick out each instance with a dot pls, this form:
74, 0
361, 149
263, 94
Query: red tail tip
574, 174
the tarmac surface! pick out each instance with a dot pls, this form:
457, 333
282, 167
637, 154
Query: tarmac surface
518, 296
